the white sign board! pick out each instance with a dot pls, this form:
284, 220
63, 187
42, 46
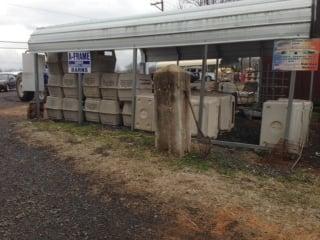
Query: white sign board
296, 55
79, 62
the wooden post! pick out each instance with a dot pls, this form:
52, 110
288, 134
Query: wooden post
172, 110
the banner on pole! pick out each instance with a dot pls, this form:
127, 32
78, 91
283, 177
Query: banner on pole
296, 55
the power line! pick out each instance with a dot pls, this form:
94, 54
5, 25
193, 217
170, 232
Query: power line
48, 11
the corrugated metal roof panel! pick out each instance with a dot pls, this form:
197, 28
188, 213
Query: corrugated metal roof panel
241, 21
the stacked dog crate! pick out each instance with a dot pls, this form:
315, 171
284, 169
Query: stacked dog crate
70, 84
55, 73
143, 86
95, 105
218, 114
63, 89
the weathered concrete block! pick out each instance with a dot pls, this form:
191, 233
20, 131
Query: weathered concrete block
172, 117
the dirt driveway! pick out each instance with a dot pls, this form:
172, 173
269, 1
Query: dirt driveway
42, 198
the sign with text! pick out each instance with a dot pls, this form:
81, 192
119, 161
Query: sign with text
296, 55
79, 62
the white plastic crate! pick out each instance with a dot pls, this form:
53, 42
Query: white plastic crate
127, 114
92, 108
55, 85
210, 121
70, 108
55, 91
91, 85
110, 112
109, 86
274, 123
54, 108
70, 85
55, 79
227, 112
144, 117
144, 85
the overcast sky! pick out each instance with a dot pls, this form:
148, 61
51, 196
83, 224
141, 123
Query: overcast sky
19, 18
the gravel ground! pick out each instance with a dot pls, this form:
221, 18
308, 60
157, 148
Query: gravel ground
42, 198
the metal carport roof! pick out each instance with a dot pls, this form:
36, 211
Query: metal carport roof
235, 22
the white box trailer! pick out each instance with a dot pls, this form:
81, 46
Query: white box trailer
26, 81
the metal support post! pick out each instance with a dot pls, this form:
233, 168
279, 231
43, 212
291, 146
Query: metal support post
178, 56
80, 95
290, 104
202, 88
134, 86
311, 86
217, 69
36, 79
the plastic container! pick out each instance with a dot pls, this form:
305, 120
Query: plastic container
110, 112
92, 108
91, 85
126, 82
70, 85
70, 108
127, 114
145, 113
109, 86
57, 63
274, 124
55, 91
307, 116
227, 112
210, 121
54, 108
55, 85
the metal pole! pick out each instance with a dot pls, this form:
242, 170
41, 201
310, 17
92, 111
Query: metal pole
202, 88
311, 86
217, 69
290, 104
36, 79
80, 95
134, 86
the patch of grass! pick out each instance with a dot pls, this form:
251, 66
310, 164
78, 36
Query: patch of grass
72, 128
193, 160
130, 144
134, 138
137, 145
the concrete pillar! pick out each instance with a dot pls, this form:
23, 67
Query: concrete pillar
172, 110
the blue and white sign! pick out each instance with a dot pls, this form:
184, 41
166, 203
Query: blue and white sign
79, 62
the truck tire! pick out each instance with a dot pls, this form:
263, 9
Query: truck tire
23, 96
